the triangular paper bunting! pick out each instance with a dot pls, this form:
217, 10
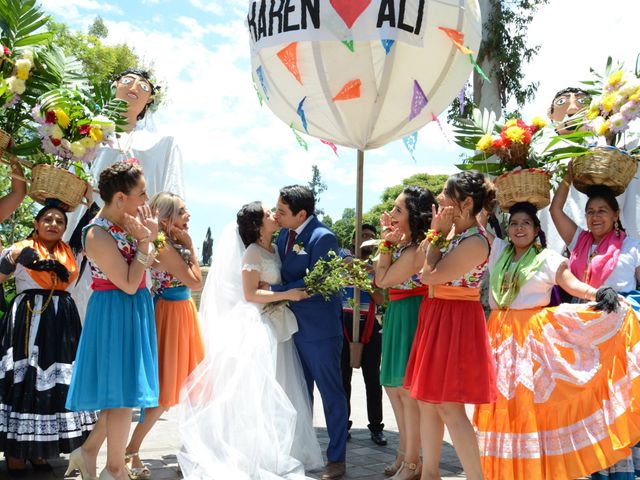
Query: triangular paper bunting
418, 102
301, 141
348, 44
478, 69
349, 10
289, 57
303, 117
331, 145
350, 91
263, 82
255, 87
457, 38
410, 142
387, 44
435, 118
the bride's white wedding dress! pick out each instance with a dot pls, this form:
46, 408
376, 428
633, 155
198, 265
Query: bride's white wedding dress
245, 411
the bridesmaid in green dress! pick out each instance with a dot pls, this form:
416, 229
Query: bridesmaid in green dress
398, 269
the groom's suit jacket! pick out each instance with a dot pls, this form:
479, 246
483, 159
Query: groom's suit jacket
317, 319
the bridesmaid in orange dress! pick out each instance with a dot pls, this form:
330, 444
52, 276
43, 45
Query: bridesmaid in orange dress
180, 346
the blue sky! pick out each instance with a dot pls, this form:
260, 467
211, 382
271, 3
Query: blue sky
235, 151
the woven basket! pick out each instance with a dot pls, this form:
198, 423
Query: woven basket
53, 182
5, 138
604, 166
529, 185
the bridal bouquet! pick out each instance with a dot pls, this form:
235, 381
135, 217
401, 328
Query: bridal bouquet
330, 276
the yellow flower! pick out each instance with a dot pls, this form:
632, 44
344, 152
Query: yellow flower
485, 142
22, 73
635, 97
609, 100
96, 134
87, 143
61, 117
538, 122
593, 113
602, 130
515, 134
77, 149
511, 123
615, 77
15, 85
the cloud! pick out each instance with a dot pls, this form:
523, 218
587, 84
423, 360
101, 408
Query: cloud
75, 12
210, 7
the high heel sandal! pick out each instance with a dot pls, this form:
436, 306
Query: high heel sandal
391, 469
415, 468
77, 462
136, 473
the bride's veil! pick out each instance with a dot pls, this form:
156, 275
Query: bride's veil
235, 421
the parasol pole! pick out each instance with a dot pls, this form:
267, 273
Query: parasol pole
356, 291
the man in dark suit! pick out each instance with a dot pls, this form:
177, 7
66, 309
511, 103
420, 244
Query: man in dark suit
302, 241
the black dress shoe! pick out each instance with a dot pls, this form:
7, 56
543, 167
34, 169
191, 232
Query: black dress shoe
378, 438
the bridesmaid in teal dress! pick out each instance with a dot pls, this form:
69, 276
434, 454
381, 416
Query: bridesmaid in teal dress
116, 368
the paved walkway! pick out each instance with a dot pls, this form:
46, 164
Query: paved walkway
365, 460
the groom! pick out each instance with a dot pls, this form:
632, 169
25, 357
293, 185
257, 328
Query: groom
302, 241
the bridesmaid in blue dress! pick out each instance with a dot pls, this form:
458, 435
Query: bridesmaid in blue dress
116, 368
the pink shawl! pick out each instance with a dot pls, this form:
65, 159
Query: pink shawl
602, 263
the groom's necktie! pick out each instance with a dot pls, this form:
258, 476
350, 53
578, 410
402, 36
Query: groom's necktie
291, 241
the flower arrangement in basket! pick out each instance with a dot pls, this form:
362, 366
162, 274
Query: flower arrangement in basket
614, 106
71, 125
505, 149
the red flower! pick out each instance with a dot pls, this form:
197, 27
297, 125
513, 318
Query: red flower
55, 141
84, 129
498, 143
50, 117
7, 52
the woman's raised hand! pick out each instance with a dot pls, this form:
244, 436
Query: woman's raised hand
144, 226
442, 219
389, 232
181, 236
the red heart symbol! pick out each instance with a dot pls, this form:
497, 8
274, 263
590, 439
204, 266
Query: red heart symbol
350, 10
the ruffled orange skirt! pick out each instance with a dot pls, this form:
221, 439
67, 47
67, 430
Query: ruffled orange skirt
180, 347
568, 393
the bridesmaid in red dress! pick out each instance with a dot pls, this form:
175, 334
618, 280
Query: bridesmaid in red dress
450, 362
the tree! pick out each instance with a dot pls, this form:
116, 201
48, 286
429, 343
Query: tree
98, 29
317, 186
502, 55
433, 183
100, 62
345, 226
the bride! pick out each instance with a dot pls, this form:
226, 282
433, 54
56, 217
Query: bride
245, 412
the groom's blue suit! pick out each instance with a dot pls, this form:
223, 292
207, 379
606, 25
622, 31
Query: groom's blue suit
319, 338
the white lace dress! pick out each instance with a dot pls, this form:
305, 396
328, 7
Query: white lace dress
245, 413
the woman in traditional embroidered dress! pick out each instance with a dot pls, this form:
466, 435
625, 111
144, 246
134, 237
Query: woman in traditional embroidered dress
116, 366
180, 347
245, 410
450, 362
398, 269
602, 255
39, 337
554, 365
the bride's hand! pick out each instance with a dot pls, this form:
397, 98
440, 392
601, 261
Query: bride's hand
296, 294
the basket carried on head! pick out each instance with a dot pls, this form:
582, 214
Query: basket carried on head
53, 182
5, 139
604, 166
528, 185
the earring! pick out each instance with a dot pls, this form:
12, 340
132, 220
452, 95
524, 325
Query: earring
617, 228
